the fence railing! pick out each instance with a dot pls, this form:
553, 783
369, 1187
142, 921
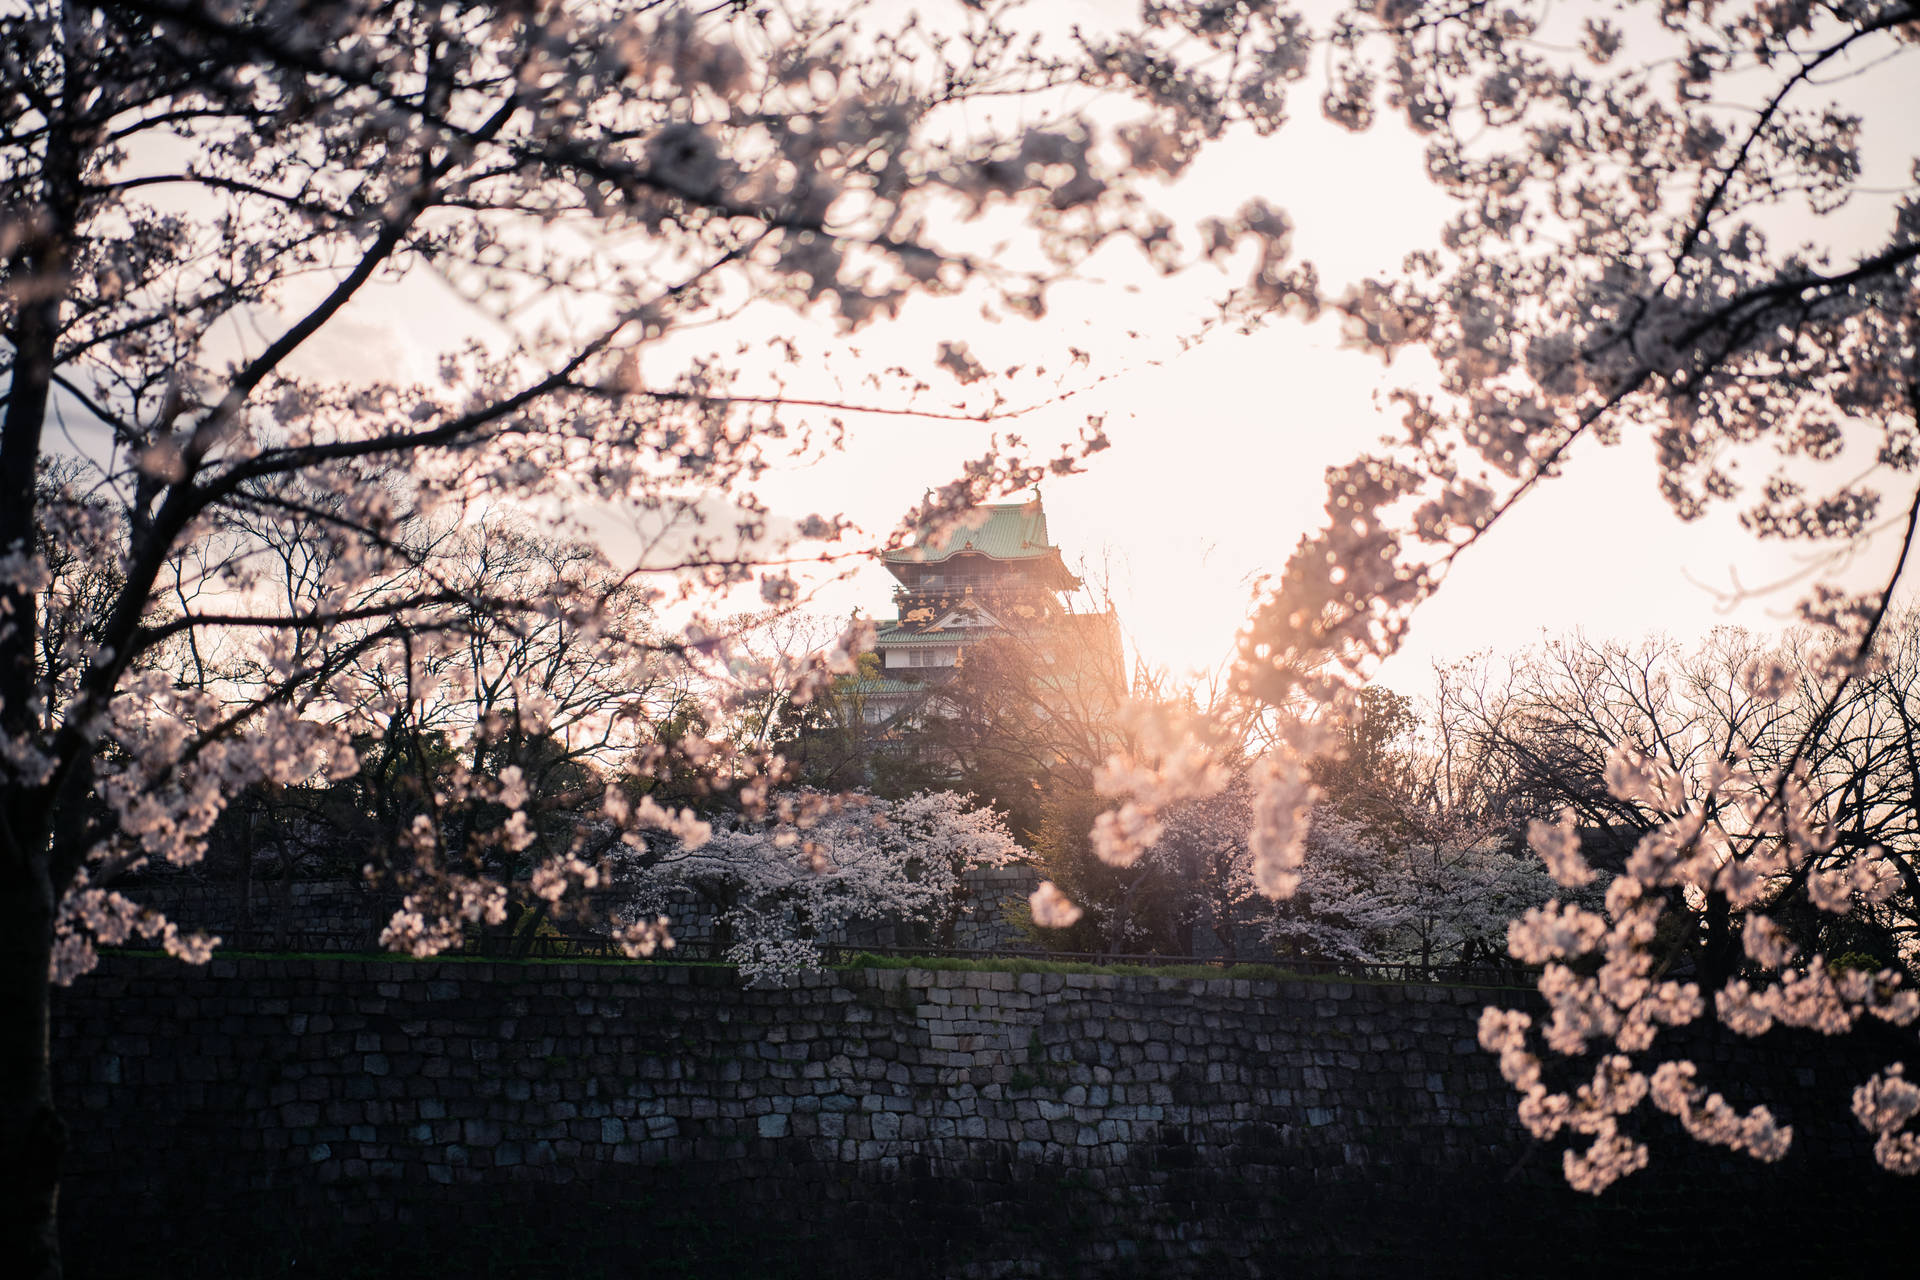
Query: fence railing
583, 946
1362, 970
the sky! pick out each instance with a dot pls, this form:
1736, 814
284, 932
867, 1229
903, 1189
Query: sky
1218, 451
1215, 472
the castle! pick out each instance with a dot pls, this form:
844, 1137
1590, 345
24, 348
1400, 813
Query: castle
992, 574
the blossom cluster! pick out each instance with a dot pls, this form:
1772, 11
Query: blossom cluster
1180, 770
1623, 1003
110, 919
788, 883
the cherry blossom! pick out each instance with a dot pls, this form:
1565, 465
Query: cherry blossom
1738, 789
784, 886
1051, 908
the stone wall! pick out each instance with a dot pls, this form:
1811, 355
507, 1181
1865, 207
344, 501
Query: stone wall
296, 1116
993, 895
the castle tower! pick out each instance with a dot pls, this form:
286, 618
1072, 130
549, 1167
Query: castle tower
992, 575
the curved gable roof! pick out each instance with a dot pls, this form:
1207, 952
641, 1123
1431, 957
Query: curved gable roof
1003, 531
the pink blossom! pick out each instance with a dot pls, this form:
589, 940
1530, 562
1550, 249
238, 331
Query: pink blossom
1051, 908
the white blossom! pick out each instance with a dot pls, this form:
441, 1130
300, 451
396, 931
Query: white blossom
1283, 802
1559, 847
787, 885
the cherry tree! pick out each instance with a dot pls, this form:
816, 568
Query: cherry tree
1663, 765
485, 736
782, 886
1554, 716
1643, 244
1443, 896
1401, 862
1636, 248
201, 200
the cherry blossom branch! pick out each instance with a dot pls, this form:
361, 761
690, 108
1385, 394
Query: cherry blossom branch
154, 633
1885, 21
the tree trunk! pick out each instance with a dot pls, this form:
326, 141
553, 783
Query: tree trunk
524, 928
246, 877
1222, 922
946, 931
32, 1138
1718, 959
283, 895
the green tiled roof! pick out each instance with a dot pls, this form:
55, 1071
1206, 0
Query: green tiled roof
895, 637
1005, 531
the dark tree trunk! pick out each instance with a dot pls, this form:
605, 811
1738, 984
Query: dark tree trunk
32, 1138
525, 927
32, 878
247, 841
283, 894
1719, 956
